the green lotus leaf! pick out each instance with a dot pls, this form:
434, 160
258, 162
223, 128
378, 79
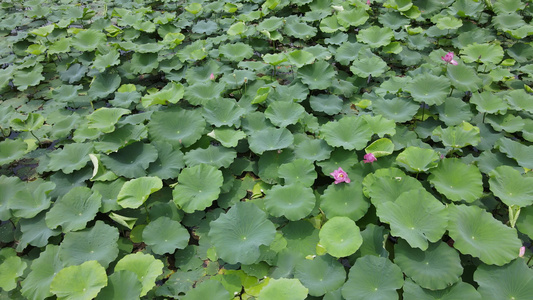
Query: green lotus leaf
74, 209
275, 59
524, 222
136, 191
461, 290
9, 186
223, 112
484, 53
477, 233
60, 46
373, 66
169, 162
429, 89
171, 93
457, 181
340, 237
238, 233
145, 266
66, 93
320, 275
513, 280
154, 47
352, 17
11, 268
74, 73
330, 25
283, 289
347, 52
293, 201
313, 150
270, 139
508, 21
284, 113
228, 137
142, 63
219, 157
269, 163
131, 161
349, 132
71, 158
236, 52
120, 138
448, 22
381, 147
35, 232
270, 24
262, 94
508, 6
30, 200
338, 158
318, 76
400, 5
202, 93
32, 122
511, 187
344, 200
454, 111
487, 102
521, 153
205, 26
237, 28
415, 216
192, 194
24, 78
329, 104
416, 160
104, 119
386, 186
374, 238
43, 31
375, 36
79, 282
12, 150
88, 40
373, 278
436, 268
463, 78
299, 30
380, 125
397, 109
520, 100
178, 127
165, 235
103, 61
97, 243
36, 49
300, 58
121, 285
508, 122
36, 285
298, 171
209, 289
103, 85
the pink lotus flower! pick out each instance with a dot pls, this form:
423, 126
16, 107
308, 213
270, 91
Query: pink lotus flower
448, 58
340, 176
522, 251
369, 158
367, 2
212, 76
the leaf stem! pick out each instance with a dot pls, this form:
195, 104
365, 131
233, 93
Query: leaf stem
38, 140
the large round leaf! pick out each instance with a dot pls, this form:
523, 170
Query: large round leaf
369, 66
165, 235
145, 266
104, 119
349, 132
459, 136
284, 113
375, 36
36, 285
477, 233
237, 51
415, 159
317, 76
143, 62
429, 89
521, 153
313, 150
223, 112
487, 102
197, 187
74, 209
71, 158
373, 278
299, 29
511, 187
283, 289
201, 93
29, 201
209, 289
415, 216
340, 236
345, 200
104, 84
169, 161
397, 109
121, 285
219, 157
320, 275
81, 282
298, 171
329, 104
436, 268
485, 53
238, 233
293, 201
132, 160
176, 126
520, 100
97, 243
512, 281
270, 139
461, 290
457, 181
35, 232
384, 188
12, 150
135, 192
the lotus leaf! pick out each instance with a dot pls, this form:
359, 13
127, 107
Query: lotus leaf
191, 194
12, 150
429, 89
214, 156
270, 139
487, 102
435, 269
31, 199
485, 53
511, 187
132, 160
120, 138
228, 137
397, 109
79, 282
373, 277
457, 181
135, 192
88, 40
103, 85
415, 216
223, 112
344, 200
298, 171
375, 36
283, 114
294, 201
104, 119
36, 285
373, 66
384, 188
236, 52
340, 236
349, 132
329, 104
202, 93
412, 291
74, 209
415, 159
11, 268
300, 30
121, 285
506, 282
317, 76
145, 266
165, 235
171, 93
239, 232
520, 100
178, 127
352, 17
313, 150
374, 238
169, 162
477, 233
521, 153
209, 289
283, 289
320, 275
35, 232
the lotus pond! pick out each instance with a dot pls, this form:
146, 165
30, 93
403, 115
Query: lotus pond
278, 149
